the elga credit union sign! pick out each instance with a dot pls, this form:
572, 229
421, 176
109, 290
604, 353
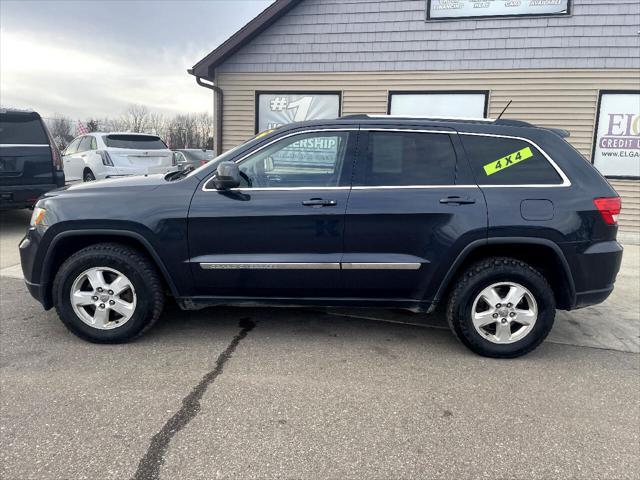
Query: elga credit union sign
617, 144
440, 9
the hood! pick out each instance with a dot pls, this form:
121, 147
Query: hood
138, 182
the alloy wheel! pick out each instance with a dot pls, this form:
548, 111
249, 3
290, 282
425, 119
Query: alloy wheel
504, 312
103, 298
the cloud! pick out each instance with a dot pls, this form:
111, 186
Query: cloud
84, 82
93, 59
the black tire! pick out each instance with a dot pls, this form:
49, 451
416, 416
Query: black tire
143, 276
488, 272
88, 176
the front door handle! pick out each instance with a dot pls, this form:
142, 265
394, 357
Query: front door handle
457, 200
319, 202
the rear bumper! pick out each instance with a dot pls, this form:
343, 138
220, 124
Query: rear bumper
125, 171
595, 271
25, 196
593, 297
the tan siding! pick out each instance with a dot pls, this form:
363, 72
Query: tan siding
629, 190
555, 98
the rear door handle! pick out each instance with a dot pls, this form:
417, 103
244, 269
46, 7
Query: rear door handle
319, 202
456, 200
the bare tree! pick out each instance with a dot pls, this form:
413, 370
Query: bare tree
158, 123
204, 122
92, 125
114, 125
60, 129
137, 118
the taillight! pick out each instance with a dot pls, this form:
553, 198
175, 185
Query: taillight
56, 158
106, 159
609, 208
202, 162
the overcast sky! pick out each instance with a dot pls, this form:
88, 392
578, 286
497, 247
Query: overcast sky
92, 58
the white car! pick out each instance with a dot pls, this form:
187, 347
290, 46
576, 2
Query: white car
96, 156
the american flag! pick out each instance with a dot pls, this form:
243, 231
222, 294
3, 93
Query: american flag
81, 129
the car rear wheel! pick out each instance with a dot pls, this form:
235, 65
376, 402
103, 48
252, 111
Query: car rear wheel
88, 176
501, 308
108, 293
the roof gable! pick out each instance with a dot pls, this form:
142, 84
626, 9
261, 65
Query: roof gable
206, 66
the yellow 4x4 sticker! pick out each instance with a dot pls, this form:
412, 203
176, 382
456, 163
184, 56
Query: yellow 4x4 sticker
507, 161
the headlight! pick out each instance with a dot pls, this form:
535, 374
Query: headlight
37, 217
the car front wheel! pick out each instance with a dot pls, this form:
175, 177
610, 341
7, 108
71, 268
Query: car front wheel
501, 308
108, 293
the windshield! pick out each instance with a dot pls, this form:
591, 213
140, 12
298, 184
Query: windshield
198, 155
220, 158
137, 142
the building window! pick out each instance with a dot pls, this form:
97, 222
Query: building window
274, 109
453, 9
616, 146
468, 104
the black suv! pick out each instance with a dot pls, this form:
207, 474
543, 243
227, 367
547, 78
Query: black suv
30, 163
500, 221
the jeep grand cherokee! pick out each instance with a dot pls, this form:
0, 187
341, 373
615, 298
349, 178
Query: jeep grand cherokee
502, 222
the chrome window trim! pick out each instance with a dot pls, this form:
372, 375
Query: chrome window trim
565, 180
409, 187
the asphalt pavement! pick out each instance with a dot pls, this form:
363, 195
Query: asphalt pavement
300, 393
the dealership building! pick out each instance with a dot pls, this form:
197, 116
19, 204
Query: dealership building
570, 64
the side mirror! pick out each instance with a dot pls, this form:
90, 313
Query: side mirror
227, 176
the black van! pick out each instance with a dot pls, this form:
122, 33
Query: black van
30, 163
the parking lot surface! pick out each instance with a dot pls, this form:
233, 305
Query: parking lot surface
295, 393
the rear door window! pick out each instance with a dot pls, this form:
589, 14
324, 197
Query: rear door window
508, 161
136, 142
408, 158
20, 128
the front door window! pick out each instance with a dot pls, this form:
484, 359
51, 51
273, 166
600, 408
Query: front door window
305, 160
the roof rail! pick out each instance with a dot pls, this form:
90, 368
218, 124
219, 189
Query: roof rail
364, 116
506, 122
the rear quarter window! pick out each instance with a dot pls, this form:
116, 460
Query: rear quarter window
22, 129
508, 161
141, 142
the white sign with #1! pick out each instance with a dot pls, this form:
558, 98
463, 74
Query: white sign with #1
276, 109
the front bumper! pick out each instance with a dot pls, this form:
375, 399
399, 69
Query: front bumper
28, 258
